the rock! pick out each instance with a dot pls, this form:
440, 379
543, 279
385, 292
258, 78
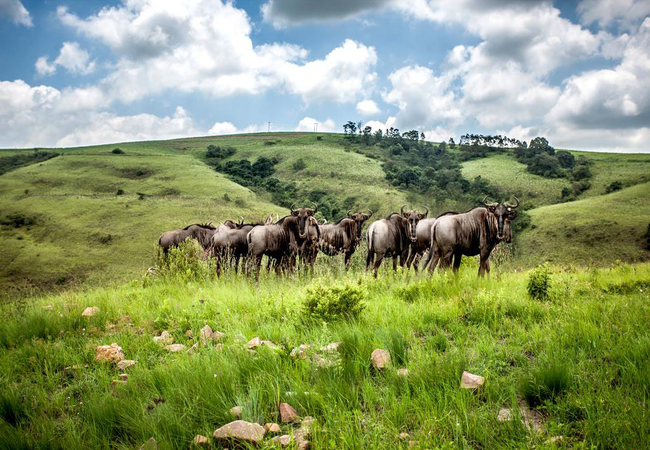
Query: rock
380, 358
301, 352
304, 445
505, 415
272, 428
240, 430
189, 334
200, 440
48, 308
403, 436
307, 422
126, 363
282, 441
402, 373
288, 414
151, 444
124, 376
116, 383
111, 353
531, 418
333, 347
236, 411
257, 342
165, 338
471, 381
175, 348
413, 444
90, 311
208, 335
190, 350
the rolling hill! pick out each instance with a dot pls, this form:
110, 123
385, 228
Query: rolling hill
91, 215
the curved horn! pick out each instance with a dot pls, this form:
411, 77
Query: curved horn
402, 209
483, 201
348, 213
517, 205
241, 220
426, 213
315, 207
369, 213
291, 207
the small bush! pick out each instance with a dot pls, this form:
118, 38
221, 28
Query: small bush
185, 262
18, 220
270, 142
331, 303
545, 383
217, 152
120, 192
319, 138
226, 198
141, 196
539, 282
299, 165
615, 186
117, 151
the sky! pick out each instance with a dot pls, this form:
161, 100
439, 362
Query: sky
82, 72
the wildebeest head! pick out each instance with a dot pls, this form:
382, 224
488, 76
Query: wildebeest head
504, 214
303, 214
360, 218
413, 217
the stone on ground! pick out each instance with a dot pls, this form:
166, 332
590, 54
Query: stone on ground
189, 334
126, 363
532, 418
124, 376
301, 352
471, 381
175, 348
333, 347
257, 342
380, 358
236, 411
282, 441
272, 428
190, 351
111, 353
402, 373
207, 335
403, 436
288, 414
200, 440
165, 338
90, 311
240, 430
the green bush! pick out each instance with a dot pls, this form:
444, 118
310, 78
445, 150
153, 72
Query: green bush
186, 262
299, 165
615, 186
117, 151
539, 283
545, 383
330, 303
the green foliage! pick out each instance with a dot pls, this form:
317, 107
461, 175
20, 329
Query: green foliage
647, 238
216, 152
299, 164
547, 382
117, 151
539, 283
186, 262
614, 186
120, 192
24, 158
329, 303
18, 220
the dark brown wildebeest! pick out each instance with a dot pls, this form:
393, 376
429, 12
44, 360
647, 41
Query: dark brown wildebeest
201, 232
422, 240
278, 241
308, 246
343, 236
391, 236
230, 244
475, 232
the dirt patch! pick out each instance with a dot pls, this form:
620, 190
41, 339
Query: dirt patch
136, 173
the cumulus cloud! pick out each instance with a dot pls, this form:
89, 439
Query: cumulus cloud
16, 12
222, 128
205, 46
290, 12
368, 108
626, 13
307, 124
71, 57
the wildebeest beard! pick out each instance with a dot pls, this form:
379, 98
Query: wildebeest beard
303, 214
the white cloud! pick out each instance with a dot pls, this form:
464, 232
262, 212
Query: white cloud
205, 46
627, 13
222, 128
307, 124
71, 57
291, 12
15, 11
368, 108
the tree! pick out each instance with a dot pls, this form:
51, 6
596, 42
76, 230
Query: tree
350, 128
422, 137
452, 143
367, 133
566, 159
379, 135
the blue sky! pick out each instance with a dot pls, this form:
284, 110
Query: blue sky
87, 72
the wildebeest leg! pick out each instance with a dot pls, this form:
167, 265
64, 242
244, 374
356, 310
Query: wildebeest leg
395, 263
379, 257
416, 261
457, 259
257, 265
236, 259
410, 258
370, 258
348, 260
484, 265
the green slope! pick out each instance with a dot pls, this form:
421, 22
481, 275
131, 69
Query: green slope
598, 230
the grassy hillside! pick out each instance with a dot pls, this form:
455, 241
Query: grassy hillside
598, 230
579, 359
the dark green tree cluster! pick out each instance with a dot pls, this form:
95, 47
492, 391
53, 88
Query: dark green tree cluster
217, 152
8, 163
542, 159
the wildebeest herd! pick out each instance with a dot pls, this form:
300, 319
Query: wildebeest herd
298, 238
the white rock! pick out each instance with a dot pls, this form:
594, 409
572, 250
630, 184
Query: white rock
90, 311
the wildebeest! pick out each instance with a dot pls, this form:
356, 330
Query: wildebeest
391, 237
475, 232
201, 232
308, 245
343, 236
422, 240
230, 244
278, 241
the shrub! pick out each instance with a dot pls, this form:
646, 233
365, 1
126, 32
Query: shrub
185, 262
270, 142
299, 164
226, 198
120, 192
539, 282
330, 303
117, 151
319, 138
18, 220
217, 152
615, 186
545, 383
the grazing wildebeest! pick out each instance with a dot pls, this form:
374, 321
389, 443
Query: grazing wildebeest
201, 232
278, 241
391, 237
343, 236
230, 244
475, 232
